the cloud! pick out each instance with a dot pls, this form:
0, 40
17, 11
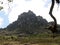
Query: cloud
56, 13
17, 7
39, 7
1, 21
28, 0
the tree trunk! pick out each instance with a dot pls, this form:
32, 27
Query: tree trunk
54, 30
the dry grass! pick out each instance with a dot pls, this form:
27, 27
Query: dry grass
32, 40
45, 41
17, 43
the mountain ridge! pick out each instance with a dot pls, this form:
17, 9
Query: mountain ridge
28, 23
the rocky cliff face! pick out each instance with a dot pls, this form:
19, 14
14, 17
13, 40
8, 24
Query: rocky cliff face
27, 22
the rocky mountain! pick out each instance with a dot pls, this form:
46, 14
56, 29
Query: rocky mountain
28, 22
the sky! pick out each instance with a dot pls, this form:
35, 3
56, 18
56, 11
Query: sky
40, 7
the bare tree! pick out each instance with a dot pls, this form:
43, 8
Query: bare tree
54, 28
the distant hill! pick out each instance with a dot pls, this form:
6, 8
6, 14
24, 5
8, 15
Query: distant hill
28, 23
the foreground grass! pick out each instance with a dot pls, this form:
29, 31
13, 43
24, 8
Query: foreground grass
29, 40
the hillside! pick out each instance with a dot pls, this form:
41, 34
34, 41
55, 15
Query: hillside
28, 23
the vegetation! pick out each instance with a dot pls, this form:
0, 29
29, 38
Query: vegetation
54, 28
29, 29
38, 39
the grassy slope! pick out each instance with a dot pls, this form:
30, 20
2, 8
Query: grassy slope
32, 40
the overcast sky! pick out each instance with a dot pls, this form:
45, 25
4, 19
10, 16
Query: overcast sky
39, 7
